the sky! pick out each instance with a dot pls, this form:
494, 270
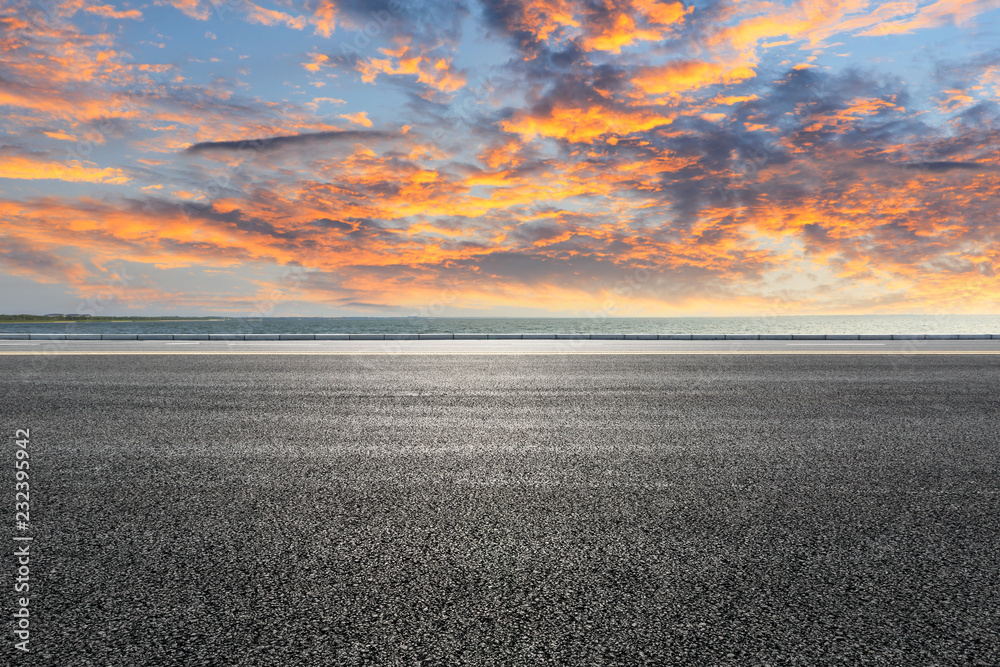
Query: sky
499, 157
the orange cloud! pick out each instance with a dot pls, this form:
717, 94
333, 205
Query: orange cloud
358, 118
29, 168
679, 77
108, 11
196, 9
934, 15
582, 124
434, 72
270, 17
838, 120
324, 17
606, 26
624, 26
621, 31
812, 21
62, 136
506, 154
318, 60
662, 13
544, 17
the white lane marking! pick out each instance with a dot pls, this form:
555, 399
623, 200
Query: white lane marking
846, 342
276, 342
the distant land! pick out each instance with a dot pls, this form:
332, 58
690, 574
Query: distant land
74, 317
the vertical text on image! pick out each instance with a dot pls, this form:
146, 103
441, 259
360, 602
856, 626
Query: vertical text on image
22, 541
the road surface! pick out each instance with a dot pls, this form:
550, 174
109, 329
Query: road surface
487, 509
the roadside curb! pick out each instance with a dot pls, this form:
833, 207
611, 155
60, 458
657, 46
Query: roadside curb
495, 336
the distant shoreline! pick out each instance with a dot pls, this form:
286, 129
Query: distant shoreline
105, 320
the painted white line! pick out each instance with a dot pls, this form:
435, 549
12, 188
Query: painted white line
846, 342
295, 343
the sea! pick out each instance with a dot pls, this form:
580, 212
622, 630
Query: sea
769, 324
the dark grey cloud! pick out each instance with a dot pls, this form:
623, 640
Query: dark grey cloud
271, 143
960, 74
504, 16
207, 211
944, 165
21, 255
429, 19
339, 225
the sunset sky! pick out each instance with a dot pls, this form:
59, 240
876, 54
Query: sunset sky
500, 157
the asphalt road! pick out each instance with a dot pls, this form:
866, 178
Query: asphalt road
528, 509
449, 347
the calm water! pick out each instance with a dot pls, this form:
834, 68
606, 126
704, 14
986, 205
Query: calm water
766, 324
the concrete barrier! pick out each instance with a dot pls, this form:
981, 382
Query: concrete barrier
607, 336
775, 337
47, 336
708, 336
808, 336
83, 336
156, 336
908, 336
337, 336
435, 336
225, 336
572, 336
119, 336
366, 337
400, 336
190, 336
674, 337
874, 336
296, 336
641, 336
742, 336
539, 336
471, 336
14, 336
842, 336
505, 336
942, 336
262, 337
973, 336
